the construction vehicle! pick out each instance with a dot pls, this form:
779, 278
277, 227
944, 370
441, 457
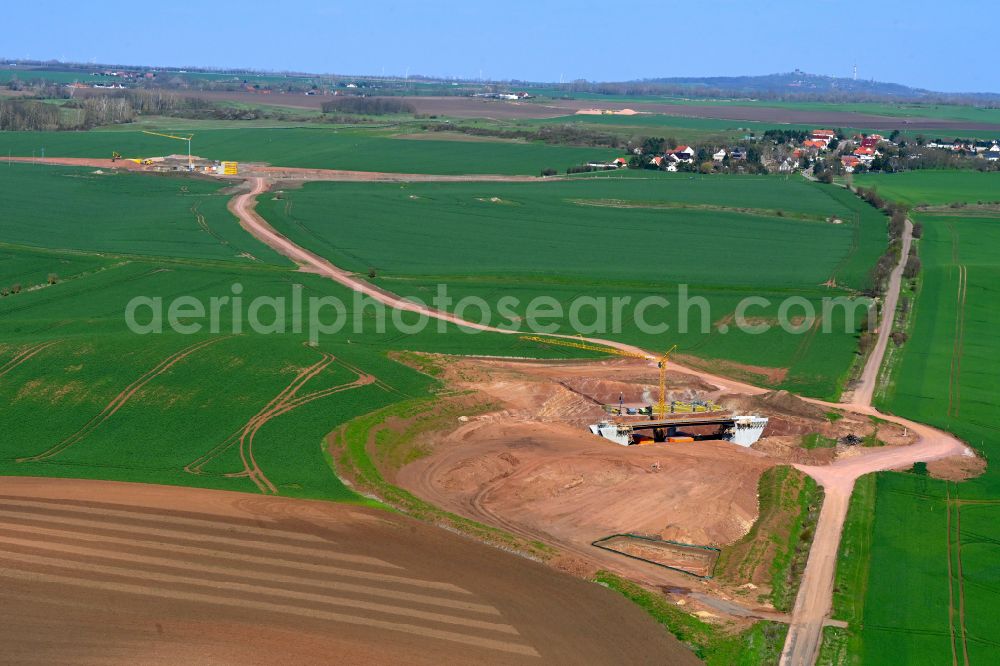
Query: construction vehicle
115, 156
179, 138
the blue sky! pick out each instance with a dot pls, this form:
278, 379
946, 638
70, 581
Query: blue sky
948, 46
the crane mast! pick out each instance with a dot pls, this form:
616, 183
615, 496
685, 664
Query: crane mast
661, 405
179, 138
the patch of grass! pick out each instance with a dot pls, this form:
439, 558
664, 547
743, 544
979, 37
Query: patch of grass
776, 547
814, 440
834, 650
760, 644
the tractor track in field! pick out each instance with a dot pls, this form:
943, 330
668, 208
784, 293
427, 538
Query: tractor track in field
958, 346
961, 580
120, 401
25, 355
286, 400
204, 226
951, 579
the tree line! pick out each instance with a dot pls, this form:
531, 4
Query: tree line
367, 106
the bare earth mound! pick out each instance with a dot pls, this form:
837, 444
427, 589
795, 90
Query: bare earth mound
103, 572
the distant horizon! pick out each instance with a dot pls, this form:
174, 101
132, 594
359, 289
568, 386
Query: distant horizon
889, 41
436, 77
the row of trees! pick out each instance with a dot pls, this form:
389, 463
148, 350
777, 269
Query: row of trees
18, 115
367, 106
125, 106
897, 224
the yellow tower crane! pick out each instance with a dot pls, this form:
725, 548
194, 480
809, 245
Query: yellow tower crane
661, 405
179, 138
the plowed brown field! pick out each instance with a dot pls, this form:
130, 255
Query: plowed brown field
102, 572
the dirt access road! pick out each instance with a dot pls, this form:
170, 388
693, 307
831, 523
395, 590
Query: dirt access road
813, 603
116, 573
814, 600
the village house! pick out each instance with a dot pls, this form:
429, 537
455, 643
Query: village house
871, 141
849, 162
866, 154
683, 154
719, 156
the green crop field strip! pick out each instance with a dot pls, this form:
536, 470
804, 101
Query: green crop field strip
938, 538
504, 240
933, 187
78, 209
319, 148
684, 128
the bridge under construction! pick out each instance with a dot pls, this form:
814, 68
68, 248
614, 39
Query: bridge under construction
742, 430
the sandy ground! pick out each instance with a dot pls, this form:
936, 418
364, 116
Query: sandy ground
252, 170
95, 162
296, 173
103, 572
535, 466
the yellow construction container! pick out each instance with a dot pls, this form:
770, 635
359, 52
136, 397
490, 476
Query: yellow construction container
230, 168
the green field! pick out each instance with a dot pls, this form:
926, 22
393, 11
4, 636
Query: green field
726, 238
313, 147
935, 188
74, 209
684, 128
85, 397
939, 539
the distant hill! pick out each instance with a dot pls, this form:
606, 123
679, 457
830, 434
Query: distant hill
796, 82
790, 85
